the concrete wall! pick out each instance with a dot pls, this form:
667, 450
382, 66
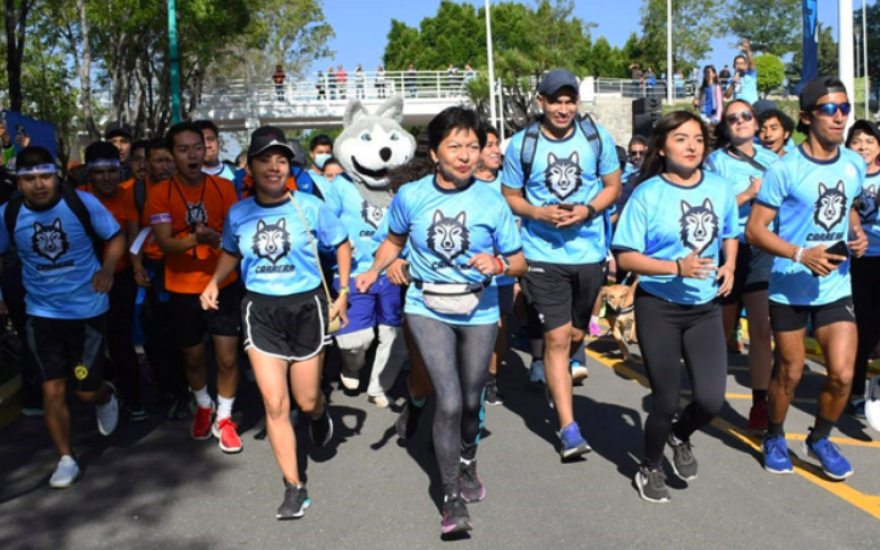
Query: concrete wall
614, 114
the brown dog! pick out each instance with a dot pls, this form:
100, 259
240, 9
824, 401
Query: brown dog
619, 312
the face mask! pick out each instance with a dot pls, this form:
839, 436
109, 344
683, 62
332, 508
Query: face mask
321, 160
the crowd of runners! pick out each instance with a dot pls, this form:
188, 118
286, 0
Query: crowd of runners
708, 216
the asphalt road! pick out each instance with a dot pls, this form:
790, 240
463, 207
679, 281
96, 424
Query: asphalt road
150, 487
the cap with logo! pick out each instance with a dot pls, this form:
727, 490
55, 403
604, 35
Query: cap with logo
268, 136
818, 87
557, 79
118, 128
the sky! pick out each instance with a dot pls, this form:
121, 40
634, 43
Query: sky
362, 25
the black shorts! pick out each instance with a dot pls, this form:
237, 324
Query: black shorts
786, 318
752, 273
293, 328
563, 294
191, 323
69, 346
505, 299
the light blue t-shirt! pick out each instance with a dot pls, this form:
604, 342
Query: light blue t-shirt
868, 214
739, 174
277, 258
502, 280
359, 217
666, 221
58, 258
563, 171
447, 228
321, 181
747, 87
812, 199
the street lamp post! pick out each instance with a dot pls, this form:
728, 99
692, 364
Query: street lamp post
493, 114
175, 65
846, 67
669, 52
865, 46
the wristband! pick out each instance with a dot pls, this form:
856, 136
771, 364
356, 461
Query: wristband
592, 213
500, 265
799, 255
678, 267
344, 290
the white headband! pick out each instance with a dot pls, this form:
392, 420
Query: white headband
101, 163
38, 169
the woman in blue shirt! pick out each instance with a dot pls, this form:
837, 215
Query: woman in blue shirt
285, 313
454, 226
677, 251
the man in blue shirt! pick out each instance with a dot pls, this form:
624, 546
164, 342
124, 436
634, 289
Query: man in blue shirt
744, 84
809, 196
57, 234
565, 228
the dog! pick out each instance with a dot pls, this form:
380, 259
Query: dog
619, 313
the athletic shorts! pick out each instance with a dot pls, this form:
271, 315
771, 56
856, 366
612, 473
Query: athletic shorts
381, 305
65, 347
293, 328
191, 323
752, 273
563, 294
505, 299
786, 318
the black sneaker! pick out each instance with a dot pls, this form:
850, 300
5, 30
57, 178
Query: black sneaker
456, 518
652, 485
321, 428
296, 500
493, 397
408, 421
472, 488
683, 462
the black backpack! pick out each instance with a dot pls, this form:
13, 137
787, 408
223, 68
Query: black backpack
530, 143
140, 196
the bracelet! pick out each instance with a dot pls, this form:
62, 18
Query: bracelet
799, 255
344, 290
678, 267
592, 213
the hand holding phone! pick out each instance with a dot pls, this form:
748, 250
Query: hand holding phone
838, 249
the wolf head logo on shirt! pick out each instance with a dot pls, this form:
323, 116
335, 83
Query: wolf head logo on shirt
196, 213
699, 225
271, 241
830, 206
372, 215
868, 204
563, 176
49, 241
449, 237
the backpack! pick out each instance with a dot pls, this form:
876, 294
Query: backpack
533, 131
140, 196
76, 205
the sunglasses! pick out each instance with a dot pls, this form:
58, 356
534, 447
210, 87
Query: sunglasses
745, 116
830, 109
636, 153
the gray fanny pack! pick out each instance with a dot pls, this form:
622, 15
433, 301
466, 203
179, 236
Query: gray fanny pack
452, 298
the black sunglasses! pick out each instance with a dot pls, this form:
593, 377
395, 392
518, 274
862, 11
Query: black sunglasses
830, 109
746, 116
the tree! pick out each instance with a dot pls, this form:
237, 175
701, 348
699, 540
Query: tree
15, 13
873, 65
828, 63
771, 27
771, 73
694, 24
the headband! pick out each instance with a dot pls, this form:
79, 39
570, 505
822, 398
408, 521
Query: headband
101, 163
38, 169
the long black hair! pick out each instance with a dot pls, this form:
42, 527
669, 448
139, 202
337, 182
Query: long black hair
654, 163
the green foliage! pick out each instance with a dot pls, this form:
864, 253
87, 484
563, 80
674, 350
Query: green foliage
771, 27
771, 73
828, 62
694, 24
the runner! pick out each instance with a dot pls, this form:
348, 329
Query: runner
742, 163
776, 129
102, 160
677, 252
808, 197
119, 134
320, 151
285, 313
187, 214
57, 233
139, 159
213, 166
563, 201
454, 229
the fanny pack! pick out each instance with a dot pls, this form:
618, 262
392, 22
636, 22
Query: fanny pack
452, 298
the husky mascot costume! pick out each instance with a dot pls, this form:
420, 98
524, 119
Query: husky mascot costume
369, 146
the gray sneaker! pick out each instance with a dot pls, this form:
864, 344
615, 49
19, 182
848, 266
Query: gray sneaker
652, 485
683, 462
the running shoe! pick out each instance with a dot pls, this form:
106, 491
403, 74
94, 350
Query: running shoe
137, 415
456, 518
32, 412
573, 443
595, 330
180, 409
579, 372
493, 396
856, 408
758, 420
226, 432
108, 413
380, 401
833, 463
65, 474
776, 459
296, 500
651, 484
321, 428
201, 426
872, 403
350, 381
472, 488
536, 372
408, 421
683, 462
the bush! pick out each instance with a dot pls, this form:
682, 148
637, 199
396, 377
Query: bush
771, 73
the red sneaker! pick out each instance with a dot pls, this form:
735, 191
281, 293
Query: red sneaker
226, 432
201, 427
758, 421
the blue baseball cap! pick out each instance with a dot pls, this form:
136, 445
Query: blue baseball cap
557, 79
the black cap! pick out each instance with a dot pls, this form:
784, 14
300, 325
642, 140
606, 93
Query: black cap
864, 126
118, 128
764, 105
101, 150
818, 87
266, 137
557, 79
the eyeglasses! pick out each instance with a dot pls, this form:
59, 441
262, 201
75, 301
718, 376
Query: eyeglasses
745, 116
636, 153
830, 109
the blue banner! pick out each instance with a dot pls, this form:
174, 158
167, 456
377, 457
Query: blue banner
24, 129
810, 68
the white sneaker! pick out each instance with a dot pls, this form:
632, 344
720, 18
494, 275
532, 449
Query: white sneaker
350, 383
872, 403
108, 415
65, 474
380, 401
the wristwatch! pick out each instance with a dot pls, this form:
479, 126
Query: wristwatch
344, 290
592, 210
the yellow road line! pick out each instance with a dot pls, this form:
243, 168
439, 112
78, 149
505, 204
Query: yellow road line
867, 503
749, 397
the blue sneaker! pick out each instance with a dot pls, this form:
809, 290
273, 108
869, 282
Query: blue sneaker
776, 460
578, 372
833, 463
573, 443
536, 372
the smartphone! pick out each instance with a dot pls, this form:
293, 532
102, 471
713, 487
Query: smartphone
20, 131
839, 249
566, 206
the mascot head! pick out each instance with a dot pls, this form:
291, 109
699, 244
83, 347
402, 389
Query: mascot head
373, 144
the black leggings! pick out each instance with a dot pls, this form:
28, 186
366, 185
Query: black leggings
866, 299
667, 333
123, 366
159, 344
457, 360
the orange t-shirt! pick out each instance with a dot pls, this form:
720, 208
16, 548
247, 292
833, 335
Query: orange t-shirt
180, 205
127, 183
247, 186
121, 213
150, 247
